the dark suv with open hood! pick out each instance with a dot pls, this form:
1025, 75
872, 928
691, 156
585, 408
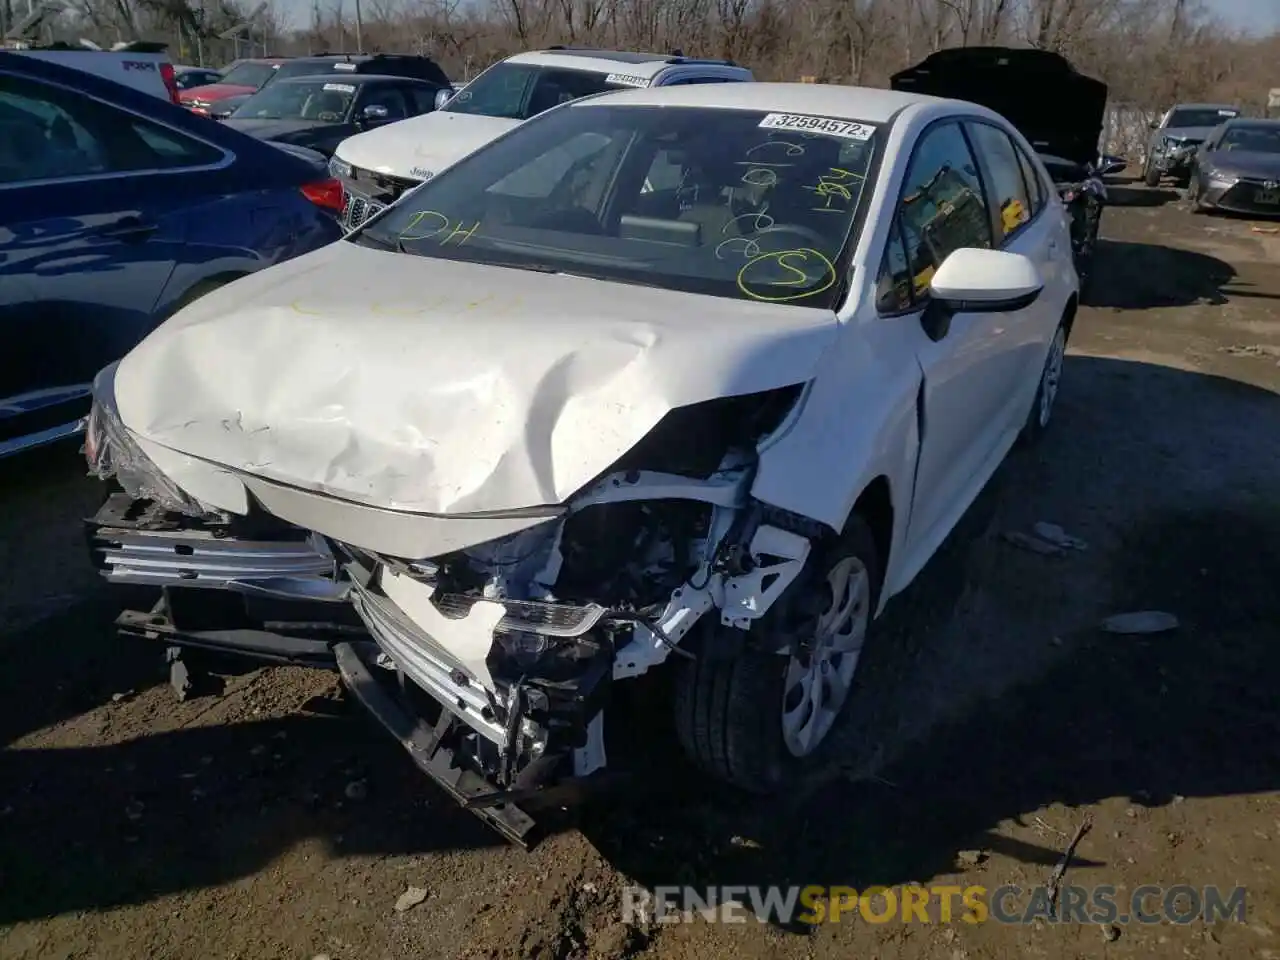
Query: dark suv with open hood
1058, 109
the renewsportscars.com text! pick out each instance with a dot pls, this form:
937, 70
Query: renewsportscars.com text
1007, 904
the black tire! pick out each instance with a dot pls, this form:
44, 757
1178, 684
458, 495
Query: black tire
1037, 423
1151, 176
728, 712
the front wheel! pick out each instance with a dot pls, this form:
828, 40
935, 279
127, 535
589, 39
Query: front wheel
1151, 176
1047, 390
760, 721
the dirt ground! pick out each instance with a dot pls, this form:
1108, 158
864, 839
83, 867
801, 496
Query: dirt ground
992, 715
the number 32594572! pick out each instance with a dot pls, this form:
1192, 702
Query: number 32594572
846, 129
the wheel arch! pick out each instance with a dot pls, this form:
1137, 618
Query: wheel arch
875, 506
1069, 311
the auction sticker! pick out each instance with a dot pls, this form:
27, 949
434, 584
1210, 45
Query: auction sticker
626, 80
807, 124
340, 87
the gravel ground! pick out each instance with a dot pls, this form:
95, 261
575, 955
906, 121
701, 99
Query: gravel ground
992, 715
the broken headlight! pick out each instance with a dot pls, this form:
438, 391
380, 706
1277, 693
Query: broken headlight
112, 453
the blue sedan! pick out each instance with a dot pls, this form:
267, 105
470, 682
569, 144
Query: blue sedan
116, 209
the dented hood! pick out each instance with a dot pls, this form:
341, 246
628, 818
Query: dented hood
442, 387
420, 147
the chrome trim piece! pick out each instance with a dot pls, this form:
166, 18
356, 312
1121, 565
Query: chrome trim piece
42, 438
199, 559
427, 663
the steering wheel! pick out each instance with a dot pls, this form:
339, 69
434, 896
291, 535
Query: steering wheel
811, 238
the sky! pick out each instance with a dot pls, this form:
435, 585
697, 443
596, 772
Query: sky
1258, 16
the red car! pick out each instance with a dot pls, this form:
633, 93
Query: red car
242, 79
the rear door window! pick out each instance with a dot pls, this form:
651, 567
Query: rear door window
49, 133
1006, 191
1035, 185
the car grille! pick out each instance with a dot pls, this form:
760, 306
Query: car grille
1245, 194
357, 210
368, 192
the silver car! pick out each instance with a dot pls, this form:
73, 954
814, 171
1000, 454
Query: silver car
1237, 168
1177, 135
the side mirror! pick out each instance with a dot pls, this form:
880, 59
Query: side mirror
973, 280
1108, 164
443, 96
374, 113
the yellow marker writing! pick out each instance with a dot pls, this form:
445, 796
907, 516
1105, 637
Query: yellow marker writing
434, 223
794, 262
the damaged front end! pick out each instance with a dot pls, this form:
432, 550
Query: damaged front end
506, 653
205, 578
493, 664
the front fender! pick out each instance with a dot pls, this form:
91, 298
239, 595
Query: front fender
859, 421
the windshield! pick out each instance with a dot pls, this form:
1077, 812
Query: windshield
323, 100
731, 203
249, 74
1251, 139
1200, 117
518, 91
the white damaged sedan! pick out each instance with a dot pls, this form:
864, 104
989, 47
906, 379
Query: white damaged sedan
691, 378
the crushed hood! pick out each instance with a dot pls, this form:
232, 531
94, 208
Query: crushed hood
398, 381
420, 147
1058, 109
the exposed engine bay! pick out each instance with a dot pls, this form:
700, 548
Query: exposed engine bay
604, 592
510, 648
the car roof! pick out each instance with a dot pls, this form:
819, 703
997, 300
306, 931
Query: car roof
869, 104
1265, 123
356, 78
646, 65
1204, 106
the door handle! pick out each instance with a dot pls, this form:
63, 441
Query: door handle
128, 229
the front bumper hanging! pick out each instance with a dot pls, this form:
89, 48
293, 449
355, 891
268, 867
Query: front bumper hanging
278, 599
293, 598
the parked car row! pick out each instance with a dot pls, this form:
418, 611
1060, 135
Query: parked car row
1224, 160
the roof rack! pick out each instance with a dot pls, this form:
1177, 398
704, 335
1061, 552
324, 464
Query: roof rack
678, 57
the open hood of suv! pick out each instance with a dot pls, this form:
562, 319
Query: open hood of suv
1059, 110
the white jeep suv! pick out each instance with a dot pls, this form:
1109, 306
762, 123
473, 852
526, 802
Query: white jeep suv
378, 166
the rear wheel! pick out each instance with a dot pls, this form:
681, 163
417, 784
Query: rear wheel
760, 721
1047, 391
